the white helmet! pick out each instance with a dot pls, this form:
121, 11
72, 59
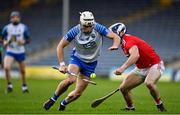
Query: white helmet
117, 28
87, 18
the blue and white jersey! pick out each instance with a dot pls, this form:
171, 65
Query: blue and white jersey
87, 46
16, 32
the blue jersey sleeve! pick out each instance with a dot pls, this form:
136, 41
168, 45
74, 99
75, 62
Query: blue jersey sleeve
26, 35
4, 33
101, 29
72, 33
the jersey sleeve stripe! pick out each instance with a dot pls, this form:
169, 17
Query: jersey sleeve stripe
101, 29
71, 34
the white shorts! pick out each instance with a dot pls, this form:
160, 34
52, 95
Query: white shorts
144, 72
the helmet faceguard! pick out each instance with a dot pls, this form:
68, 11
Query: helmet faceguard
87, 22
87, 19
15, 14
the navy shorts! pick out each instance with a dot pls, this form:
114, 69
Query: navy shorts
85, 68
18, 57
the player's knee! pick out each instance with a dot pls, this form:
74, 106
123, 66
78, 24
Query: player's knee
123, 89
149, 85
66, 83
22, 71
7, 68
70, 80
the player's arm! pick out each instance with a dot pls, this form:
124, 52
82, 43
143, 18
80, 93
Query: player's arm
4, 37
62, 44
6, 43
60, 54
26, 35
116, 40
106, 32
60, 49
133, 58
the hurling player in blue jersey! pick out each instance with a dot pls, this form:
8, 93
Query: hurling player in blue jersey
15, 36
87, 39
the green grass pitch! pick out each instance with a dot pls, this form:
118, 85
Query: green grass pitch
41, 90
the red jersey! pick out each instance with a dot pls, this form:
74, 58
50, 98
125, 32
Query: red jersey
148, 56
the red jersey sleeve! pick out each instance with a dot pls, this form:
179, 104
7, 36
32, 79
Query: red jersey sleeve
129, 44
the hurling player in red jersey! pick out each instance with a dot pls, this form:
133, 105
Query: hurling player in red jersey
149, 66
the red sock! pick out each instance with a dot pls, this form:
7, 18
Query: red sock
158, 101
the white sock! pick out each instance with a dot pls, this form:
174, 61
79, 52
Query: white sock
10, 86
24, 88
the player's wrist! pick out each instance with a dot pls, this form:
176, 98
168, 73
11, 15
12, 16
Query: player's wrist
62, 63
21, 42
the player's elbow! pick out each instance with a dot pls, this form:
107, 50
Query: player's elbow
116, 37
28, 41
113, 36
135, 57
63, 43
58, 47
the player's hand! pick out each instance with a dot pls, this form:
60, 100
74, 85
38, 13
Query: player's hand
113, 48
119, 71
63, 69
21, 42
7, 42
13, 38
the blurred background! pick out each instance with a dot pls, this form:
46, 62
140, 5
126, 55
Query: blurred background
155, 21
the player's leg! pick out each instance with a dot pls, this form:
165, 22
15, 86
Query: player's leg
63, 86
131, 81
20, 58
86, 69
22, 66
75, 94
8, 60
150, 81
